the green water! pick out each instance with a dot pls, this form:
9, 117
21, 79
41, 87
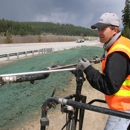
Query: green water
21, 101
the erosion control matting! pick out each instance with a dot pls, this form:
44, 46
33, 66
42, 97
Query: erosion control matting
21, 101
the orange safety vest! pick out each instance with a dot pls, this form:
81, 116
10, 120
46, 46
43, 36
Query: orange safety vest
121, 99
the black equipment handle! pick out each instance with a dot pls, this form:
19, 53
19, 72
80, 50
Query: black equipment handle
79, 105
86, 106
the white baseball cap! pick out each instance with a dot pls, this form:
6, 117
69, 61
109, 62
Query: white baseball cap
107, 19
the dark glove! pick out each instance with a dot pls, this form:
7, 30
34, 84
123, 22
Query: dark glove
83, 64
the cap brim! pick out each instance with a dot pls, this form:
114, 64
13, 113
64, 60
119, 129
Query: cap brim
99, 25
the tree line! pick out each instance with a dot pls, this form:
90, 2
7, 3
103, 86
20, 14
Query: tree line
16, 28
37, 28
62, 29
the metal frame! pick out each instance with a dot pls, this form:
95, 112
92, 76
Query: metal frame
74, 105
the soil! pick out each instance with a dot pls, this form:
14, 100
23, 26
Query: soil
92, 120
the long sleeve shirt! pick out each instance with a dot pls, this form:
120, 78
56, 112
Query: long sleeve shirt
116, 70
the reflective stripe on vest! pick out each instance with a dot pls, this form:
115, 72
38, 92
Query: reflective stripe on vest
120, 46
126, 83
123, 93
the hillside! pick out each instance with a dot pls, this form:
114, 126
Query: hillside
37, 28
21, 101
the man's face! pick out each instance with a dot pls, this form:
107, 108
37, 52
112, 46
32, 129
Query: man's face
106, 34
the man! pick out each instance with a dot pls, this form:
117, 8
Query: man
114, 81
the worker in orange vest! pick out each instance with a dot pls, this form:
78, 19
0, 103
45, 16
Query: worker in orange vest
114, 81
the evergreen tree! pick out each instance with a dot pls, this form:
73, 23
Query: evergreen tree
126, 14
126, 19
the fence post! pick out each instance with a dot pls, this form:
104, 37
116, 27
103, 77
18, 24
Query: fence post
32, 52
17, 55
39, 51
25, 53
7, 56
43, 50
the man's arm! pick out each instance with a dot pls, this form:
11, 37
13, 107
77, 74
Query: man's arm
116, 70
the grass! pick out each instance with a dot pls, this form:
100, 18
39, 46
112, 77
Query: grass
42, 38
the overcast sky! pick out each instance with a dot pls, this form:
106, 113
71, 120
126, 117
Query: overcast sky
77, 12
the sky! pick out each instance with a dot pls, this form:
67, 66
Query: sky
82, 13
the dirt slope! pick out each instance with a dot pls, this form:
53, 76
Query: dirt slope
92, 120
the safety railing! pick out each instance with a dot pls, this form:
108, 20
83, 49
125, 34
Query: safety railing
25, 53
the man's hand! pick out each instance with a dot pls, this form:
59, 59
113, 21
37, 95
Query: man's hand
83, 64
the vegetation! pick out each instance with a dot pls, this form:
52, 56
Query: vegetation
41, 38
126, 19
16, 28
8, 38
62, 29
38, 28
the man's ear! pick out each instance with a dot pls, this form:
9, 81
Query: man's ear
116, 29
